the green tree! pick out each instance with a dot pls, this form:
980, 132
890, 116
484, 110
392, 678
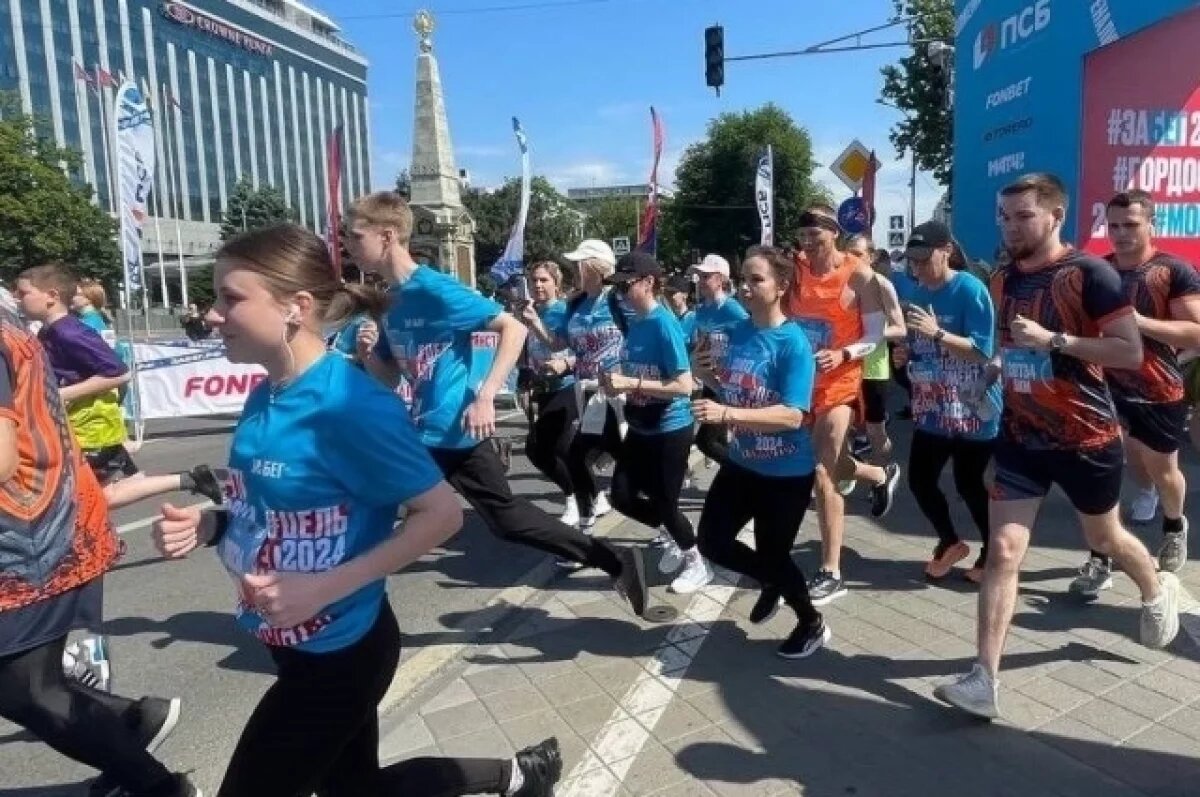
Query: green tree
917, 86
615, 217
251, 208
44, 214
404, 184
713, 208
553, 226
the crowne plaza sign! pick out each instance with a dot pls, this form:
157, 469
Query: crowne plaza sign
182, 15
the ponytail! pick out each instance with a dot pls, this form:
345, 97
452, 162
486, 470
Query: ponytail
352, 299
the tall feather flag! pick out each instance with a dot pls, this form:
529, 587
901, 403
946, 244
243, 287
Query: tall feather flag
333, 231
764, 195
135, 175
512, 261
648, 234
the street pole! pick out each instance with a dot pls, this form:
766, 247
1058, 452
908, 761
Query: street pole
912, 192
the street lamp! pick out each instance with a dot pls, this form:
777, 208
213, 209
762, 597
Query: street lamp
912, 175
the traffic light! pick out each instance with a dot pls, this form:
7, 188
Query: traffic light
714, 57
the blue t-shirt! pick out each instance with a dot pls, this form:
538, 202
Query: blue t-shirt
655, 349
345, 340
904, 284
714, 320
94, 319
427, 332
766, 367
538, 352
316, 475
687, 322
948, 397
593, 335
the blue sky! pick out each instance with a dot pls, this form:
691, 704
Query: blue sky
581, 76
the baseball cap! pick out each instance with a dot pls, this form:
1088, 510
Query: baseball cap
593, 249
713, 264
925, 238
679, 284
635, 265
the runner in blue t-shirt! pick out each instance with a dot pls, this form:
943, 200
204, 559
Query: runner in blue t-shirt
321, 461
717, 313
553, 407
676, 293
955, 406
428, 336
655, 377
766, 385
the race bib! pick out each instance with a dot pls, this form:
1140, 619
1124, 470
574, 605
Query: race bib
1024, 368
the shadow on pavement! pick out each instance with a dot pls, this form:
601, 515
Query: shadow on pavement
202, 627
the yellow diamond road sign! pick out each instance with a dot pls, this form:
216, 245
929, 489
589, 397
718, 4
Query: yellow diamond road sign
851, 166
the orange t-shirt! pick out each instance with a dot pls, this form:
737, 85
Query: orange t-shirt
815, 303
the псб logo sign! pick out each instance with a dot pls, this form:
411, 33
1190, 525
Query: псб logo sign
996, 36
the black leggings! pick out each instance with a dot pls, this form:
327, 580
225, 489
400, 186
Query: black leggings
316, 730
648, 479
777, 507
91, 727
926, 460
713, 438
580, 452
550, 433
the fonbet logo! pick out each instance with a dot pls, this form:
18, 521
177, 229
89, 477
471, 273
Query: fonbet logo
996, 36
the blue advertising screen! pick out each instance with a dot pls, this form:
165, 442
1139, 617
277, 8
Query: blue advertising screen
1019, 89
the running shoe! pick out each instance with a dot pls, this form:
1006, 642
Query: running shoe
1173, 553
975, 693
695, 576
156, 719
541, 767
882, 495
769, 601
1094, 577
671, 559
825, 587
1160, 620
570, 514
805, 640
846, 487
207, 484
87, 661
1144, 505
631, 582
662, 540
944, 559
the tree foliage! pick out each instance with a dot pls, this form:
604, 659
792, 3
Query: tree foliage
553, 226
252, 208
713, 208
404, 184
917, 86
44, 215
615, 217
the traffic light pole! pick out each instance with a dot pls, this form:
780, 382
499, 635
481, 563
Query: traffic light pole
839, 45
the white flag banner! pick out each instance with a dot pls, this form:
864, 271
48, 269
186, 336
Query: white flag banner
764, 195
513, 259
135, 175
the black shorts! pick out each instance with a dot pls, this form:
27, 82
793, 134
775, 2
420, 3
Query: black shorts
1090, 479
1159, 427
875, 394
110, 463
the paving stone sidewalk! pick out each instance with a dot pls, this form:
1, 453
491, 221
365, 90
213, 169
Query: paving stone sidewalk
694, 701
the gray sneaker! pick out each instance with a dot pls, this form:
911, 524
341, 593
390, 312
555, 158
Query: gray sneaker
1160, 621
1173, 553
975, 693
1094, 577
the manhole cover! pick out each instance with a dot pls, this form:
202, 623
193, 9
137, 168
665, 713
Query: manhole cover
662, 613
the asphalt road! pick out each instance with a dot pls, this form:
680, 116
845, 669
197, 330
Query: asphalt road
172, 631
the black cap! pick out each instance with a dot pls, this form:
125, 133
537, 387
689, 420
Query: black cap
927, 237
635, 265
679, 284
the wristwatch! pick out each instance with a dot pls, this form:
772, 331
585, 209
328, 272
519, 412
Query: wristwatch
1058, 342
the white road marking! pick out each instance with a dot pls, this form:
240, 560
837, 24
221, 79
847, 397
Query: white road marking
619, 741
134, 525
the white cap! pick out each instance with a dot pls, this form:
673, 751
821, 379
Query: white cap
713, 264
593, 249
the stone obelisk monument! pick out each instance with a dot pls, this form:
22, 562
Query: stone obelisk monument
440, 222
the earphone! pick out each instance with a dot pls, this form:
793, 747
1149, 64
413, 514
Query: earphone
293, 316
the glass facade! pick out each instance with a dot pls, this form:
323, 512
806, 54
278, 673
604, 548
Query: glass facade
245, 43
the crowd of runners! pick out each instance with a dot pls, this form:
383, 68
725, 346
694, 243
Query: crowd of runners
1059, 372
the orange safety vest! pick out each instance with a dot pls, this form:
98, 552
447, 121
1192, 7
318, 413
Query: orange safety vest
815, 303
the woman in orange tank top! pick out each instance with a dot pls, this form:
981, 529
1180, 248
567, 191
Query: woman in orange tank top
817, 304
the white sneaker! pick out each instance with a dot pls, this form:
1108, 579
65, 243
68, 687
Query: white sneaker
671, 560
601, 507
1160, 620
570, 514
1144, 506
975, 693
696, 574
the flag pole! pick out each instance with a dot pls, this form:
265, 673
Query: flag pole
155, 109
104, 142
176, 198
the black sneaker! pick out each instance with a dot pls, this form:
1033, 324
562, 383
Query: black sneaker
805, 640
825, 588
766, 605
156, 719
207, 484
103, 787
882, 495
632, 581
541, 767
